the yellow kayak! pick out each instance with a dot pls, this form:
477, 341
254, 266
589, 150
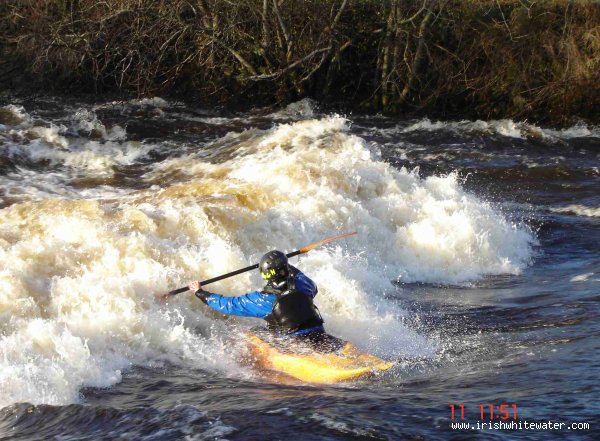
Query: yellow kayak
346, 364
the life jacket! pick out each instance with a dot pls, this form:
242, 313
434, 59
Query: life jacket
292, 311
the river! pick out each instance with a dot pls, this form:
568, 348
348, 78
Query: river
476, 266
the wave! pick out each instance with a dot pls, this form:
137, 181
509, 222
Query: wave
45, 159
579, 210
78, 275
504, 127
12, 115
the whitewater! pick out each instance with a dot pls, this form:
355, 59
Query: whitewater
100, 210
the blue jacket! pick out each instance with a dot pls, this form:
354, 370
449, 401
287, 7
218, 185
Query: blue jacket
256, 303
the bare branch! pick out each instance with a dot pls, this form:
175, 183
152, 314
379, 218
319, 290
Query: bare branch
415, 15
291, 66
237, 55
281, 23
265, 28
504, 20
338, 15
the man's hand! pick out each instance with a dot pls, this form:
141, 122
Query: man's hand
196, 288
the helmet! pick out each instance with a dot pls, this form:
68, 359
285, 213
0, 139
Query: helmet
273, 266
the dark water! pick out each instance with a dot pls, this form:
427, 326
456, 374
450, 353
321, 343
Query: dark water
528, 339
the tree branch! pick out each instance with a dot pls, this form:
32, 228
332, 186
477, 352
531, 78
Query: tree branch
281, 24
291, 66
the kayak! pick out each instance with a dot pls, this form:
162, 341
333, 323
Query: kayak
346, 364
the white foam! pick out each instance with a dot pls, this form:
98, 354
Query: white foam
16, 116
48, 135
217, 121
92, 158
217, 431
35, 185
579, 130
504, 127
150, 102
310, 179
86, 123
77, 285
582, 277
433, 230
78, 276
580, 210
303, 109
339, 426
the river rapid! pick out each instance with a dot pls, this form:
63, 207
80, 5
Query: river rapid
476, 266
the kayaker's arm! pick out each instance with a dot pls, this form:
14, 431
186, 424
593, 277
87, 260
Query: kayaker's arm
253, 304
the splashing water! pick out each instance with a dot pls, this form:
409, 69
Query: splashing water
79, 270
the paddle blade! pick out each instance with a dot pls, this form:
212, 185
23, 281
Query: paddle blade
161, 297
324, 241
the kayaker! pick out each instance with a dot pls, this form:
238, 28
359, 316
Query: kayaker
285, 303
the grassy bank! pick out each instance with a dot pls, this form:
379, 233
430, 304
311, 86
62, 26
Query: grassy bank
499, 58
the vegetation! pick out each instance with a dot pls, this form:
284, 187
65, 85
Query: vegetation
487, 58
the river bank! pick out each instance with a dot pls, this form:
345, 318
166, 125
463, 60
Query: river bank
535, 61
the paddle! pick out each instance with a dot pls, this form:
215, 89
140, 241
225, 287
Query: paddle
164, 296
